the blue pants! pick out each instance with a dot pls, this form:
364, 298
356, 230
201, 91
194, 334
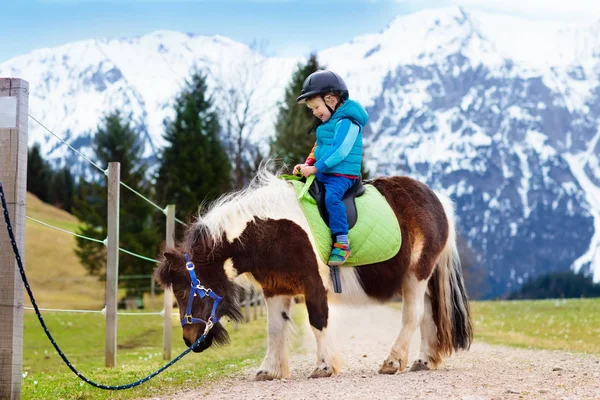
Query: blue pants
335, 188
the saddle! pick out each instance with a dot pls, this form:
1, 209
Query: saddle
375, 236
317, 191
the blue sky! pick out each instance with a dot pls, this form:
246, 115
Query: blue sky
283, 27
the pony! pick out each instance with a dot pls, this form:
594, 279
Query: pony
262, 233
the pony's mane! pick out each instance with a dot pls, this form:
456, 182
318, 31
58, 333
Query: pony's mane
266, 196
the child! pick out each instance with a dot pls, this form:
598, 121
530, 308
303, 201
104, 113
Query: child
336, 157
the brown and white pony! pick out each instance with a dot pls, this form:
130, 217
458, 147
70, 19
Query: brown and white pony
263, 234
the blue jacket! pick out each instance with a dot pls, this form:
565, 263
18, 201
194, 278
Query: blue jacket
339, 140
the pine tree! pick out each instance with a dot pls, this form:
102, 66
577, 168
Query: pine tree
194, 165
558, 285
55, 187
116, 141
91, 209
39, 174
62, 191
292, 142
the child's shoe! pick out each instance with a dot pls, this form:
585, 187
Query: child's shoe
339, 254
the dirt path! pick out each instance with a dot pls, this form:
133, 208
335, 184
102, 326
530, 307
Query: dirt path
365, 336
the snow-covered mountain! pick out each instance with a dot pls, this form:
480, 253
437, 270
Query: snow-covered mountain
499, 112
505, 122
73, 86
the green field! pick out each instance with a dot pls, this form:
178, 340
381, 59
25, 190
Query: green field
81, 337
569, 324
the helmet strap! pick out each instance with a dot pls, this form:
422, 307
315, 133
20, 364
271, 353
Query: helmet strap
331, 110
319, 122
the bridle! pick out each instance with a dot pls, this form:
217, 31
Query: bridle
198, 290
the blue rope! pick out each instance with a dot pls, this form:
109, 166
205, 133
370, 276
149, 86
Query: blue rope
60, 353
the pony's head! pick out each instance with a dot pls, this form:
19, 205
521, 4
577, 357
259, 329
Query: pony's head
208, 256
211, 241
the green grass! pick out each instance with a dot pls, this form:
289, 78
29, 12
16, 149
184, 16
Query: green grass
570, 324
58, 280
81, 337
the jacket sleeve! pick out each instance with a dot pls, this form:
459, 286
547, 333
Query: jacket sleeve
310, 160
344, 138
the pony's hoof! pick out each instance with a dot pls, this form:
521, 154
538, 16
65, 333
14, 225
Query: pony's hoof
389, 367
264, 376
321, 372
420, 365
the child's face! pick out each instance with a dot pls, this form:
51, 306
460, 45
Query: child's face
318, 108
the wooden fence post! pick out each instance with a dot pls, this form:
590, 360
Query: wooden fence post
248, 298
168, 300
255, 305
14, 110
152, 291
112, 264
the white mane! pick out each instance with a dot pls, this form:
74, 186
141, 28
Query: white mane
267, 196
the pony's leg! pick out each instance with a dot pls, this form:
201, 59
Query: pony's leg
429, 356
275, 364
328, 360
413, 295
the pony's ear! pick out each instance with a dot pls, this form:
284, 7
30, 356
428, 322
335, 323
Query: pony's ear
167, 268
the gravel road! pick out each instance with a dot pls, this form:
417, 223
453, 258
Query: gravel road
365, 336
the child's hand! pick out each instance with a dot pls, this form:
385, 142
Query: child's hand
308, 170
297, 168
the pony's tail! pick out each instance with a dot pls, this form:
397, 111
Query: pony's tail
449, 301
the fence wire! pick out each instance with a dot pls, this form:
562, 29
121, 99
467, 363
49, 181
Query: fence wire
105, 171
93, 240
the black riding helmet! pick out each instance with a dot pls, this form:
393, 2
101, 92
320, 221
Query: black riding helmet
321, 82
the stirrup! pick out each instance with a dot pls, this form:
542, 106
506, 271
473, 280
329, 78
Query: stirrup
334, 271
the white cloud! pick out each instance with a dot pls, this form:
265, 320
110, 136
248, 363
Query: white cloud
567, 10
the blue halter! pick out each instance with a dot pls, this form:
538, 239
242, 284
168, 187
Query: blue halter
199, 290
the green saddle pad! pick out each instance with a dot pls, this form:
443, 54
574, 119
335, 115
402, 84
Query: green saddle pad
374, 238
